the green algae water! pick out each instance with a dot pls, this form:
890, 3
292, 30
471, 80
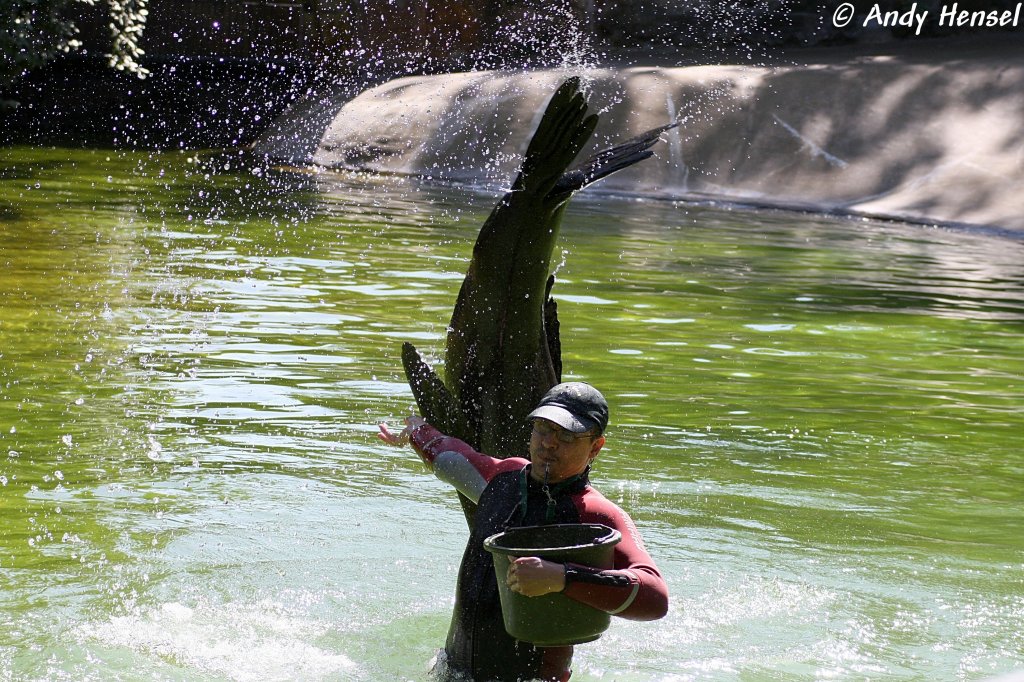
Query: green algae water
815, 422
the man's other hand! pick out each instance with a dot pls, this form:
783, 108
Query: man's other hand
532, 576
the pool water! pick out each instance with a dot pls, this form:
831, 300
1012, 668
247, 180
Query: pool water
816, 424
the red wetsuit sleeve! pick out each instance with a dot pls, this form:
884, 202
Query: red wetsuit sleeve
633, 588
458, 464
429, 443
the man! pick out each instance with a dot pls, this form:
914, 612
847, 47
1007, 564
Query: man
551, 487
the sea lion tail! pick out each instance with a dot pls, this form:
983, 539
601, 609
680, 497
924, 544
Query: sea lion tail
606, 162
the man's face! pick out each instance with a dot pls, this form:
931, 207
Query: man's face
550, 452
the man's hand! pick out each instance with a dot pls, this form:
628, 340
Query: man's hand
532, 576
402, 438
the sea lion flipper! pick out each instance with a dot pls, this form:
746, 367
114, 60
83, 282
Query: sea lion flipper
436, 403
559, 106
438, 406
607, 161
551, 343
563, 131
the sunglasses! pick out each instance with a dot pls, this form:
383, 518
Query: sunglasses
542, 428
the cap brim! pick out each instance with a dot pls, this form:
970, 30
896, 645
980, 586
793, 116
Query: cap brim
560, 416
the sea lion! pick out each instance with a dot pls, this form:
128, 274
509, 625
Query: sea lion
502, 351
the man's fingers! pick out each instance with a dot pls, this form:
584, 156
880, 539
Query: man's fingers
511, 578
533, 577
390, 438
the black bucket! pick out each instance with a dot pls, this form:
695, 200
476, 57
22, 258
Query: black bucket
552, 619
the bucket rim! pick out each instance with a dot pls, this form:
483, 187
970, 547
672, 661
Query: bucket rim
611, 536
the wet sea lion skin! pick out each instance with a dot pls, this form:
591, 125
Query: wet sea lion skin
502, 350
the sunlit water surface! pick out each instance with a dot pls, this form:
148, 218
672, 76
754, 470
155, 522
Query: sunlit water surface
816, 424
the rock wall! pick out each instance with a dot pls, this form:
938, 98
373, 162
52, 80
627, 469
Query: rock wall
889, 136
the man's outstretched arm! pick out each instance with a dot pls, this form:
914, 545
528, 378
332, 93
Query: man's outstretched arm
452, 460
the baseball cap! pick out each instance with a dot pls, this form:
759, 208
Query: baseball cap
575, 406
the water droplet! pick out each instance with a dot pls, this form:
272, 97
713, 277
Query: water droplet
154, 448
